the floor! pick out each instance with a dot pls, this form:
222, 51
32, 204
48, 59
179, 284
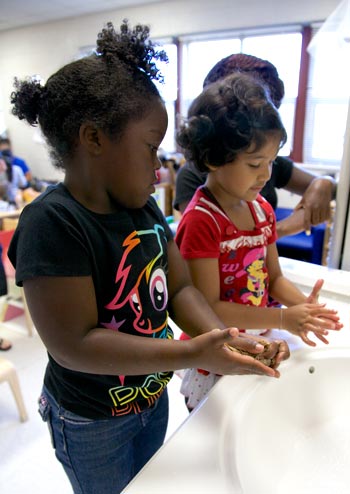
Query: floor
27, 461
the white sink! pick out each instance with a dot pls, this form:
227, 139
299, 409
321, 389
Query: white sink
255, 435
291, 435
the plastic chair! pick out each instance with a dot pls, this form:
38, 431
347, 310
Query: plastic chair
8, 373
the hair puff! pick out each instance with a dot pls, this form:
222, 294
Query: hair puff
132, 47
27, 99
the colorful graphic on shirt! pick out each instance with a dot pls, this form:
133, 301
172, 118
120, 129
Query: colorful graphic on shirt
253, 269
150, 279
142, 298
126, 398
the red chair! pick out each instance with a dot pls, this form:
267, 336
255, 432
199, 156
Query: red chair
5, 239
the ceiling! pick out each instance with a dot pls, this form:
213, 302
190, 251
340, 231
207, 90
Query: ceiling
20, 13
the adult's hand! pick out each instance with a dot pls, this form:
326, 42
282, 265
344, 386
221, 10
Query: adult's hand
316, 201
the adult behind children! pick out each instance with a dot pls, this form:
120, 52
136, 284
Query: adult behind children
101, 272
316, 191
227, 233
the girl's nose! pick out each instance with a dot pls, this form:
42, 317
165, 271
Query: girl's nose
266, 171
158, 163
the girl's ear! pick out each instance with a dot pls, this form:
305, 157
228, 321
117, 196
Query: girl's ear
90, 138
211, 168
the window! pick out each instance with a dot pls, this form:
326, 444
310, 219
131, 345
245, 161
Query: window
284, 52
198, 58
168, 91
327, 103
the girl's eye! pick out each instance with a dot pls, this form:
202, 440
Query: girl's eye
254, 166
154, 149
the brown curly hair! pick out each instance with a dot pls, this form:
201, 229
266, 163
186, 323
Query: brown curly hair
227, 118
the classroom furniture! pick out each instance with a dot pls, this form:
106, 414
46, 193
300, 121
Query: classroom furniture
8, 374
5, 239
302, 247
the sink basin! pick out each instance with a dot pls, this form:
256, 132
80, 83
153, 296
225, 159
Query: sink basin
255, 435
291, 435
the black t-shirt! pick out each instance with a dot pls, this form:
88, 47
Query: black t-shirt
188, 179
125, 253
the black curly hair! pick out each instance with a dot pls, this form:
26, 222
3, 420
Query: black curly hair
262, 70
227, 118
108, 88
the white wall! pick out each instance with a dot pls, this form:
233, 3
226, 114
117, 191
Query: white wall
42, 49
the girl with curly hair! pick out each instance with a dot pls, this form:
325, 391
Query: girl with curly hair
227, 233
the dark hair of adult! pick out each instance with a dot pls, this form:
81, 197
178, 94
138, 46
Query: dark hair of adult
108, 88
261, 69
227, 118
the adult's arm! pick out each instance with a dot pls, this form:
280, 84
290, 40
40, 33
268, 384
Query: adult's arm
317, 193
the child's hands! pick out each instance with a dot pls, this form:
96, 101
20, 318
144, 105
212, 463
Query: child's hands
302, 318
214, 353
315, 292
273, 354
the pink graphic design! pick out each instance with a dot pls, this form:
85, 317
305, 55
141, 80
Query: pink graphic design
253, 267
114, 325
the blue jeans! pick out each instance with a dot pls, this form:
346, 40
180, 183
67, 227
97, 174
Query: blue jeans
102, 456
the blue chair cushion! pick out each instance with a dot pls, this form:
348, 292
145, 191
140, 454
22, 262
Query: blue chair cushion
303, 247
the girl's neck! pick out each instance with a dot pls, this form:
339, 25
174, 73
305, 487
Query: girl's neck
226, 201
89, 195
237, 210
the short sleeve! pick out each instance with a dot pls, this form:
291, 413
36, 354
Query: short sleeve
48, 242
198, 236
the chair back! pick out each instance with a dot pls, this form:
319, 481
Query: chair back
5, 240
